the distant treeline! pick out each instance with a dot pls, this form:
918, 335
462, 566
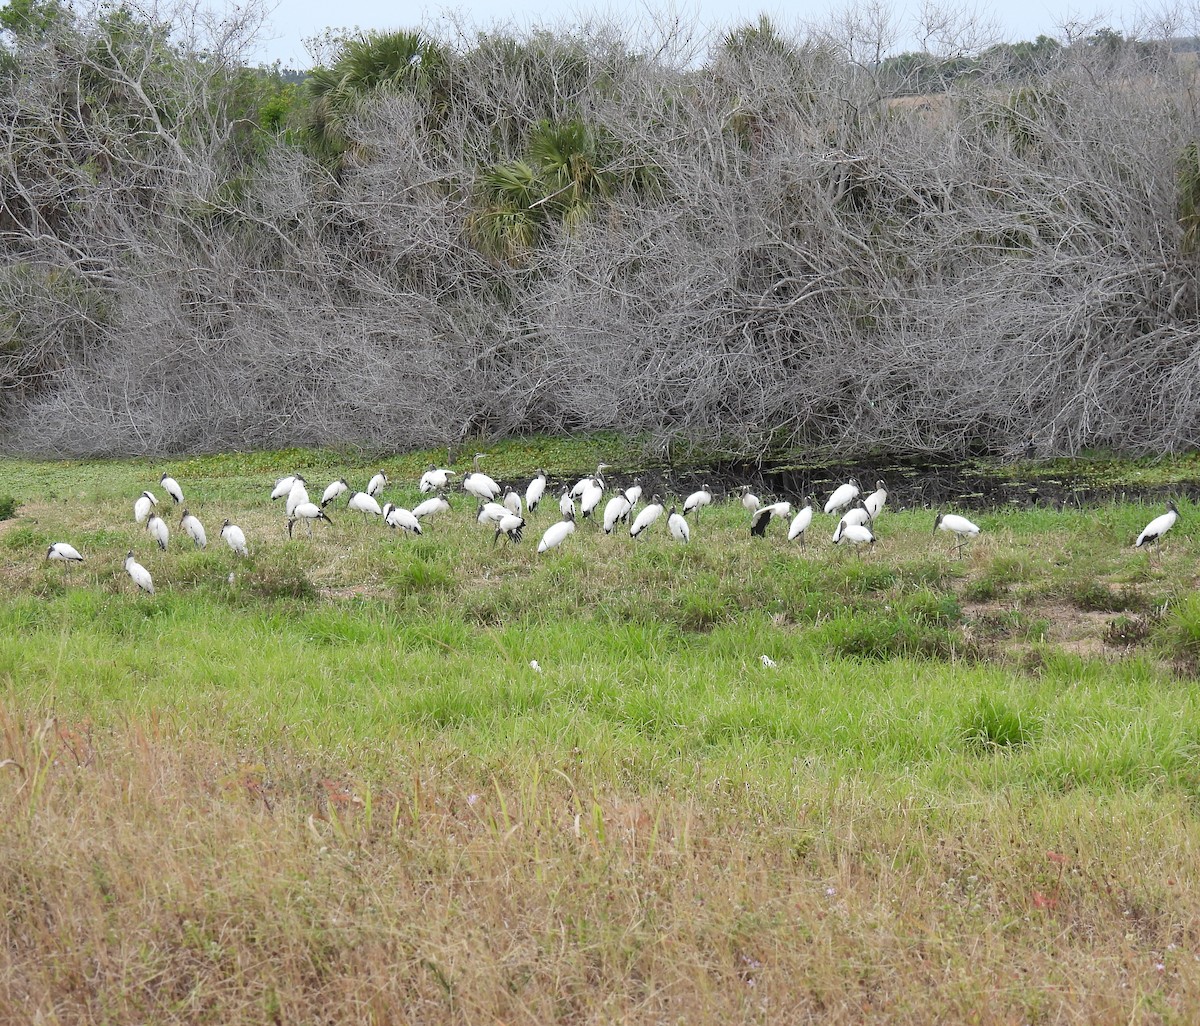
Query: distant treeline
780, 241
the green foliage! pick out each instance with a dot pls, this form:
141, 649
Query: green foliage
8, 507
34, 19
992, 724
401, 61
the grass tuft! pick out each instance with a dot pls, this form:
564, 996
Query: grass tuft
992, 723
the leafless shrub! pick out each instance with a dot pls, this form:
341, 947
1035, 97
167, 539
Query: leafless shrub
796, 256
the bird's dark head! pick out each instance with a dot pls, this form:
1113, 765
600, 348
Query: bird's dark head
672, 513
225, 525
880, 485
1172, 507
184, 515
937, 520
49, 551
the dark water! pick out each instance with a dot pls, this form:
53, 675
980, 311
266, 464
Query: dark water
910, 485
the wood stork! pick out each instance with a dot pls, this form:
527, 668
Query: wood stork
511, 524
615, 510
377, 484
193, 529
512, 501
646, 517
159, 531
480, 485
363, 503
853, 534
566, 505
535, 491
395, 516
842, 496
64, 551
678, 527
142, 506
171, 487
435, 479
801, 521
1159, 526
556, 534
283, 486
591, 496
333, 491
857, 515
492, 513
140, 575
762, 516
750, 501
297, 495
634, 492
438, 504
308, 512
582, 484
696, 500
235, 538
875, 501
961, 527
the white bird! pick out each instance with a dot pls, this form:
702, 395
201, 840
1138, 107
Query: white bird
801, 522
646, 517
171, 486
297, 495
492, 512
556, 534
874, 502
858, 515
377, 484
842, 495
158, 531
363, 503
583, 482
512, 524
767, 661
234, 538
333, 491
308, 512
749, 499
1159, 526
438, 504
283, 486
696, 500
141, 576
480, 485
512, 502
959, 526
193, 529
566, 505
634, 492
142, 506
435, 479
535, 491
763, 515
615, 509
854, 534
396, 516
590, 498
678, 527
64, 551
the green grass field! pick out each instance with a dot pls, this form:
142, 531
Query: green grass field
335, 789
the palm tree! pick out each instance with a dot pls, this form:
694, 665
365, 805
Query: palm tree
399, 61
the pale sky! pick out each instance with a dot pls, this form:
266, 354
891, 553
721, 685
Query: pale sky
294, 21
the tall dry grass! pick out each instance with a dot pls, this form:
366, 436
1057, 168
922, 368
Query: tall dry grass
147, 877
